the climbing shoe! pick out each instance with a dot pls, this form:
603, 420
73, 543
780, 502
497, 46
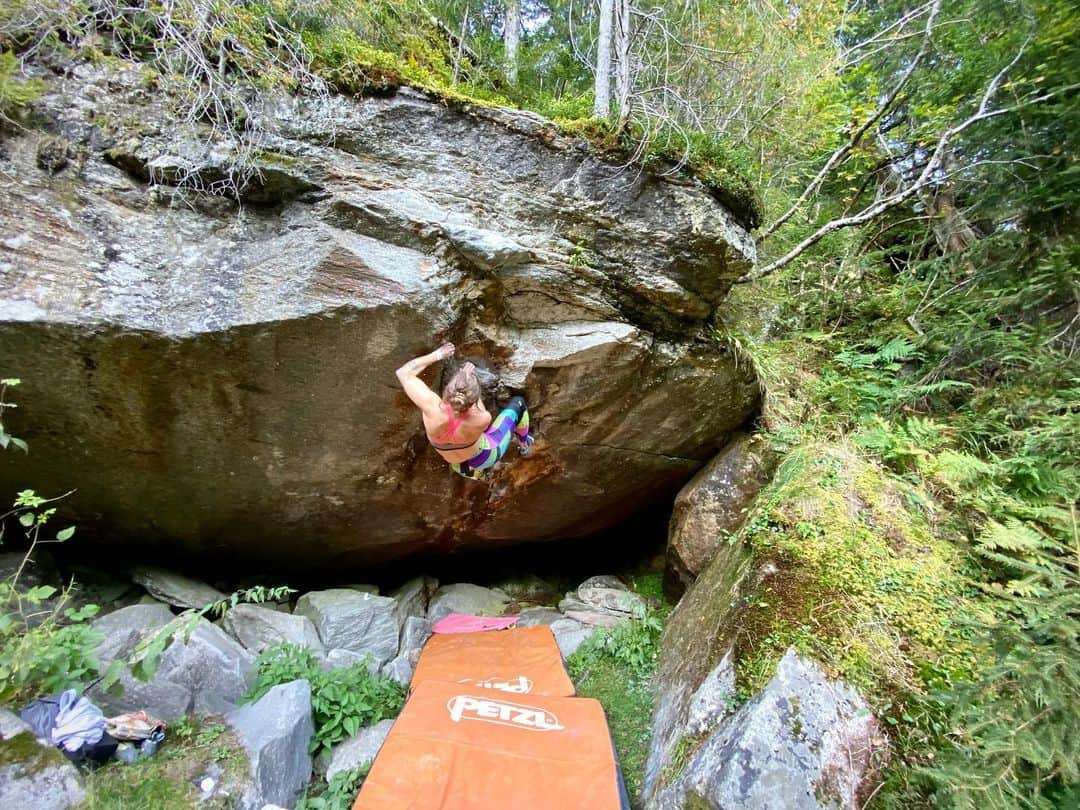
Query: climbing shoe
525, 445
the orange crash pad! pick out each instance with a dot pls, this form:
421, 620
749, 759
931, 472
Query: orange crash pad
456, 747
521, 661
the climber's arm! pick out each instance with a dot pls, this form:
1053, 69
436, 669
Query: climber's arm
408, 375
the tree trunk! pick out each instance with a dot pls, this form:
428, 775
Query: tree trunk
602, 86
954, 234
622, 62
512, 38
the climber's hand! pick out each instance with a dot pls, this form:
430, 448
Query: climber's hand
444, 351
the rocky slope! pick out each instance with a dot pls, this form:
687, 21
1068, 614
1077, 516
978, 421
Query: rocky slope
213, 377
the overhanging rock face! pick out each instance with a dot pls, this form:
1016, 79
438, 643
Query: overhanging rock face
216, 379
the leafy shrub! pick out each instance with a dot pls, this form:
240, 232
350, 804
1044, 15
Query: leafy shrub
45, 646
634, 643
339, 794
342, 700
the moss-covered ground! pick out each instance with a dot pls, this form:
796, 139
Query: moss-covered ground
618, 669
167, 780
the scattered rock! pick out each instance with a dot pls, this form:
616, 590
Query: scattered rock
609, 595
603, 592
372, 589
413, 597
712, 507
400, 670
33, 775
11, 724
569, 632
124, 629
358, 750
352, 620
209, 674
214, 666
175, 589
469, 599
803, 737
336, 659
414, 636
275, 733
258, 627
134, 619
528, 588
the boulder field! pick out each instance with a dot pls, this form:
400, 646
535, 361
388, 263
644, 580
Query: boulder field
217, 376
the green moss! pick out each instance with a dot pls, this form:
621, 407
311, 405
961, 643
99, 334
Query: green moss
24, 751
855, 578
681, 754
628, 704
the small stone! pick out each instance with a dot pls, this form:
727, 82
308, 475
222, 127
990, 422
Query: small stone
569, 632
209, 674
608, 594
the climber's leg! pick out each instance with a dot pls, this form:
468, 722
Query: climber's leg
513, 420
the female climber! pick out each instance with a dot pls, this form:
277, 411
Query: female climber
458, 425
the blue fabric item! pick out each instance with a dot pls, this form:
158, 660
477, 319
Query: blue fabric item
78, 723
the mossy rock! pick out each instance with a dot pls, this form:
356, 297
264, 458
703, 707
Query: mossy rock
853, 576
36, 775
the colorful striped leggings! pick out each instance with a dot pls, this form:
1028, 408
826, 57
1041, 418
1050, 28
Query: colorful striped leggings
494, 442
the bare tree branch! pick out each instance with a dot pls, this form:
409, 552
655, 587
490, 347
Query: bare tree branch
857, 136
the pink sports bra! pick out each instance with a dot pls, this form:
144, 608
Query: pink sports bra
451, 429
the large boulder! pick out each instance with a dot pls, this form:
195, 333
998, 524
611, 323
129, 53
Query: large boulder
712, 507
258, 627
33, 775
353, 620
276, 732
207, 379
804, 737
698, 637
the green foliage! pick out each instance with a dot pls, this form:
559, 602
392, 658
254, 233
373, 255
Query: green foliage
627, 702
634, 644
343, 700
616, 666
45, 646
146, 656
1012, 740
338, 794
